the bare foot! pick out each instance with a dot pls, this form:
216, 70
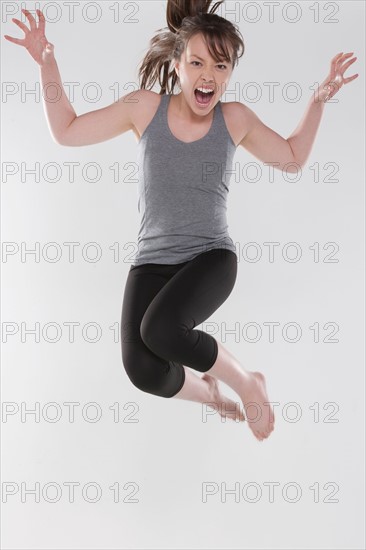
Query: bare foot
226, 407
259, 414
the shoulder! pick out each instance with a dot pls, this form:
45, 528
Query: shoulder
146, 98
139, 100
140, 104
240, 118
238, 111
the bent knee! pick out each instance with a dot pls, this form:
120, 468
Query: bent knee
141, 376
156, 381
162, 337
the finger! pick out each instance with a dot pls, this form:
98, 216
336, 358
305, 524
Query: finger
19, 41
336, 56
351, 60
333, 64
21, 25
342, 59
30, 18
347, 54
346, 80
346, 65
42, 20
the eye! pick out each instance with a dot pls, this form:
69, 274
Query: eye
224, 66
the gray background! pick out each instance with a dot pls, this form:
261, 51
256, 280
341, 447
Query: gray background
167, 450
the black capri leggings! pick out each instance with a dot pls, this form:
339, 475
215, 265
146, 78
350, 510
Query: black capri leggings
161, 306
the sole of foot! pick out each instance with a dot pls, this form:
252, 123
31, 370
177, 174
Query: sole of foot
227, 408
255, 393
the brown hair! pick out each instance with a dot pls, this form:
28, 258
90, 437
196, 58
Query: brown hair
186, 18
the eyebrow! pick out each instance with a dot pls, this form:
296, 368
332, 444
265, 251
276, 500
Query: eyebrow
198, 57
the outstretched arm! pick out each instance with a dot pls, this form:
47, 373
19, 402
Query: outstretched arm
269, 147
302, 139
66, 127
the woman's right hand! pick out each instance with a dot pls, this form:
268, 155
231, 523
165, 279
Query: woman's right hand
35, 39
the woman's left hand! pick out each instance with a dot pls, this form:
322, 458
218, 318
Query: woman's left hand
335, 80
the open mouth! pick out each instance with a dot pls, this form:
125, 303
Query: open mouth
203, 98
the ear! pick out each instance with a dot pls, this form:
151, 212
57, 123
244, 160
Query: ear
176, 68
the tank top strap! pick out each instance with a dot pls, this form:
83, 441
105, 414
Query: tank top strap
219, 119
163, 109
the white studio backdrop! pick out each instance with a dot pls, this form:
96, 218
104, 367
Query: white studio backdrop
147, 472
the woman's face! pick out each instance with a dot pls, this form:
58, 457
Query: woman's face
198, 69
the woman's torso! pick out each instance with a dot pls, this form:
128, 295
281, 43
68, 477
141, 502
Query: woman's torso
182, 185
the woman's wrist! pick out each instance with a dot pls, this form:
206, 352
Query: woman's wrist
48, 56
322, 95
48, 61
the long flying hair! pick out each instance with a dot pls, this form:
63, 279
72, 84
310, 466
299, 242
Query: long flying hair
185, 18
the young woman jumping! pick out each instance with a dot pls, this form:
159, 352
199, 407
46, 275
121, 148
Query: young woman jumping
186, 264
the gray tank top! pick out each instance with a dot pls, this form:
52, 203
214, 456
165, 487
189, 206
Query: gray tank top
182, 191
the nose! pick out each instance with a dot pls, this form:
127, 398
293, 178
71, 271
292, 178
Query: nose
207, 77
